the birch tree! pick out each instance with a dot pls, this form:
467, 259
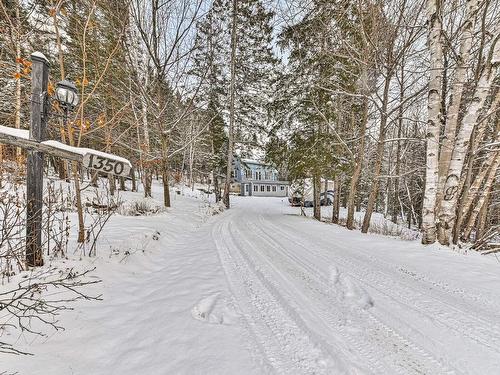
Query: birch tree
435, 41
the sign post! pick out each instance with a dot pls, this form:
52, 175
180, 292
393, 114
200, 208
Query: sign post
36, 146
34, 178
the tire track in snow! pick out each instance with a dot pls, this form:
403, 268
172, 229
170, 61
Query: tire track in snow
333, 323
287, 349
278, 291
465, 323
386, 350
490, 305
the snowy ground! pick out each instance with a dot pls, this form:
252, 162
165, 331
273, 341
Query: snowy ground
259, 289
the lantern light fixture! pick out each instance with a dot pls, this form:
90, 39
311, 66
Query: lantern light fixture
67, 94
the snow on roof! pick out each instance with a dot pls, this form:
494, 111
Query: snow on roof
252, 161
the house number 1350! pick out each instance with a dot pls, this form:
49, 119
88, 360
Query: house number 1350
105, 165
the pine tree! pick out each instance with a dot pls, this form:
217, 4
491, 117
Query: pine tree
306, 105
255, 75
209, 68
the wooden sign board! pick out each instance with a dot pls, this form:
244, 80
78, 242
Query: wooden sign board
106, 165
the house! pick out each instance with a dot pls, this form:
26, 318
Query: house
253, 178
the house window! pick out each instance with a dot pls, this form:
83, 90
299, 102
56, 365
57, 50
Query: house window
248, 173
274, 188
255, 188
246, 188
268, 188
262, 188
282, 187
259, 175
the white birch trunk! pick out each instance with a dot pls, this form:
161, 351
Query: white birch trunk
447, 214
433, 121
456, 96
483, 197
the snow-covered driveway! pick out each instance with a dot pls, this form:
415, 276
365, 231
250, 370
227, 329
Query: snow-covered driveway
259, 289
320, 299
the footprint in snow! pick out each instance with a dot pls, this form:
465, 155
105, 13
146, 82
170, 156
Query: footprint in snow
214, 310
349, 290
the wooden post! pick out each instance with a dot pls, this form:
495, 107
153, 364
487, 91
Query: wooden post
34, 181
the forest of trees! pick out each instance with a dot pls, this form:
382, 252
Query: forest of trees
396, 101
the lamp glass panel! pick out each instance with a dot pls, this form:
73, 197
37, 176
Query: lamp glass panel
63, 95
76, 99
71, 94
60, 94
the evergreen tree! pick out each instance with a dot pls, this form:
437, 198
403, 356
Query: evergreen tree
255, 75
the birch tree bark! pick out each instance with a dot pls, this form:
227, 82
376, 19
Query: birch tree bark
433, 121
452, 115
474, 189
448, 207
482, 198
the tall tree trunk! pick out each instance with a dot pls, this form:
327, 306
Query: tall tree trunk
18, 81
468, 188
380, 156
485, 191
230, 140
483, 215
316, 197
452, 115
63, 171
471, 193
134, 183
146, 168
396, 200
351, 204
433, 121
165, 170
450, 197
336, 200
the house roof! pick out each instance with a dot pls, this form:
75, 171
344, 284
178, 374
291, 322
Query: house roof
266, 182
252, 161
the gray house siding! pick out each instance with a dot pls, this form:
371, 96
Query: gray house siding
258, 179
266, 189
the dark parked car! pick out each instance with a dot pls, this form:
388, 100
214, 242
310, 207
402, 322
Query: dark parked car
325, 199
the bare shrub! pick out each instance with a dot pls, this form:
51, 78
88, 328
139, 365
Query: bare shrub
34, 303
142, 207
384, 227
